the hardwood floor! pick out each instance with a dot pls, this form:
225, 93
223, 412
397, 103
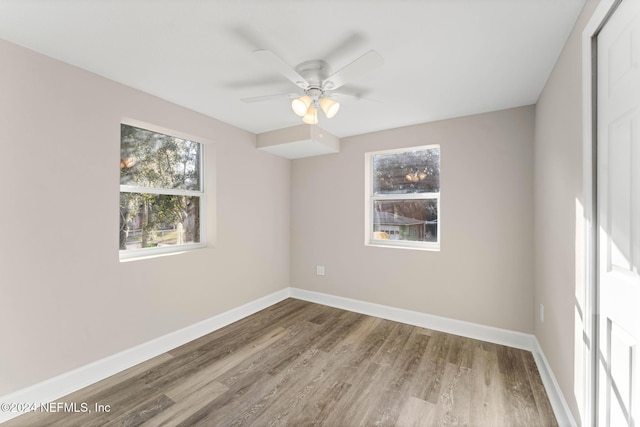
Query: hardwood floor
303, 364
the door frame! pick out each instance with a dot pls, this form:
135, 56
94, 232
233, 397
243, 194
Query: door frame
590, 199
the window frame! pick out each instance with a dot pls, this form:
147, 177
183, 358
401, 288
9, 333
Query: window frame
130, 254
371, 198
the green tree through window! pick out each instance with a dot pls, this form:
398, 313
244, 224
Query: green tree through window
161, 191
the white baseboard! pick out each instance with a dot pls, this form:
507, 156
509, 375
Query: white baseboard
53, 389
471, 330
62, 385
558, 402
442, 324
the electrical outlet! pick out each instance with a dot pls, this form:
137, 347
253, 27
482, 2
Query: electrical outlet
542, 313
320, 270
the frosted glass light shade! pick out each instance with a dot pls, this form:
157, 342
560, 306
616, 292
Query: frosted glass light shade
300, 105
329, 106
311, 118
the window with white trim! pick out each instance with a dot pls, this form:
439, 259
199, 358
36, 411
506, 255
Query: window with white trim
162, 198
403, 198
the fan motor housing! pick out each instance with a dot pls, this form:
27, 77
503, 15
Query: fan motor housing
314, 71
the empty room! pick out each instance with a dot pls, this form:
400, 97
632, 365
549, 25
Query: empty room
338, 213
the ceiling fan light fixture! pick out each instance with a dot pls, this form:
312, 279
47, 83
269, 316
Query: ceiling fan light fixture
316, 77
329, 106
311, 117
301, 105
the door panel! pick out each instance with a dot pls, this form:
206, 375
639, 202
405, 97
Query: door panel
618, 180
622, 356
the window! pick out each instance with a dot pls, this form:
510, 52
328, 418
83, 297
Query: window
161, 193
403, 198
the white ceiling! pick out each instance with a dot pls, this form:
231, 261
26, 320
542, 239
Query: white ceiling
443, 58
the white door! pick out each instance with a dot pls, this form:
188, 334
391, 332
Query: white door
618, 198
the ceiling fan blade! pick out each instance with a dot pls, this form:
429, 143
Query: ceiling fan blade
367, 62
277, 64
353, 91
343, 97
276, 96
345, 48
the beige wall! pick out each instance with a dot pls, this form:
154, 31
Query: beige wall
65, 299
483, 272
559, 247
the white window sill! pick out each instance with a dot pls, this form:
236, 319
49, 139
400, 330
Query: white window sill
141, 254
432, 247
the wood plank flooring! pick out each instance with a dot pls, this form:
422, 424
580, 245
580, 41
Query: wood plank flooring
303, 364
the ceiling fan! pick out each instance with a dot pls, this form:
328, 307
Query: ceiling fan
317, 80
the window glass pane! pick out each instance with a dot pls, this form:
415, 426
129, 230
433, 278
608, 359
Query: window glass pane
151, 159
413, 220
152, 220
415, 171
